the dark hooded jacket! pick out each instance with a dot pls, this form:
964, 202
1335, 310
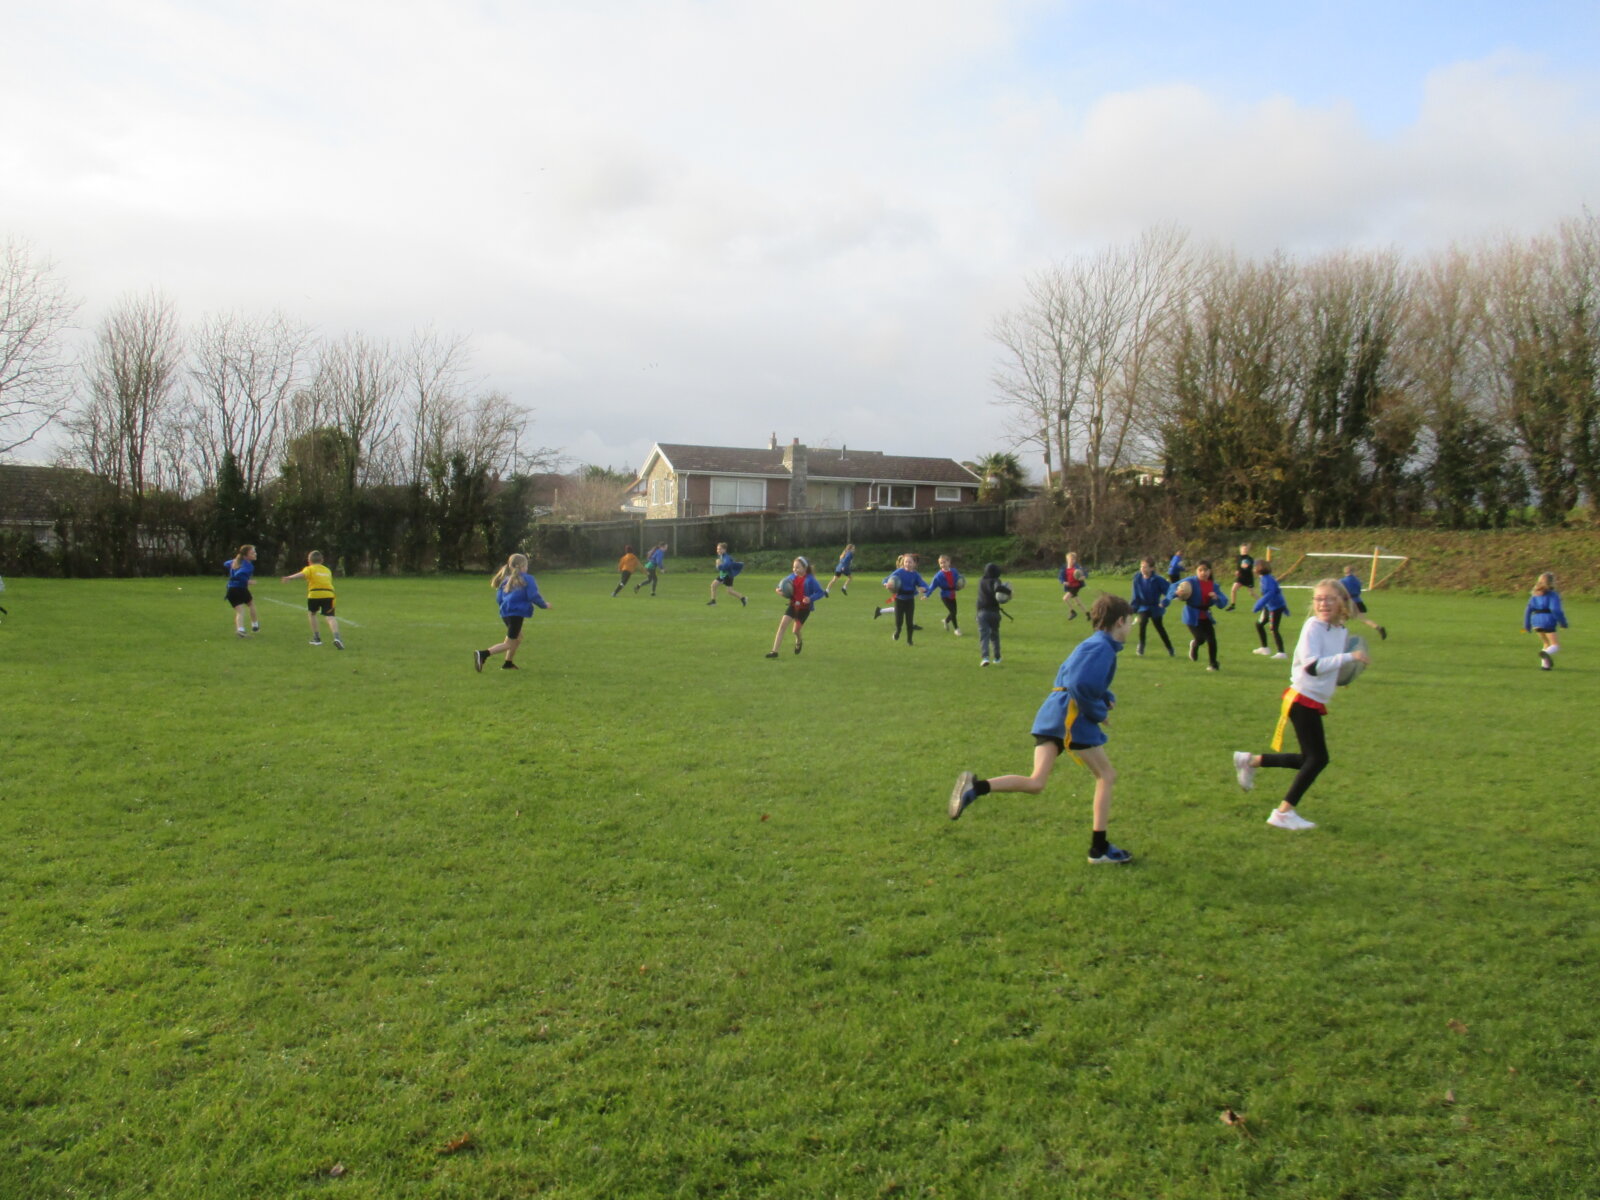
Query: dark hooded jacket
986, 587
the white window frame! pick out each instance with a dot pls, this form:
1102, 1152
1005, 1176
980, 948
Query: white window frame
883, 493
744, 497
947, 495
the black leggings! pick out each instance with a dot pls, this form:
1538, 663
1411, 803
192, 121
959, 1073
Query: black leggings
950, 607
1313, 754
1270, 618
1146, 619
650, 578
904, 610
1205, 633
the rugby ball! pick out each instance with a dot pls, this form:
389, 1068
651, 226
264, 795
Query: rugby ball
787, 588
1184, 589
1002, 593
1351, 671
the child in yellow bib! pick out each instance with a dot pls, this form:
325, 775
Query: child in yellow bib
319, 597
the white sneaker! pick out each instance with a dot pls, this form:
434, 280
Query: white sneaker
983, 662
1261, 650
957, 632
1242, 768
1290, 820
1280, 654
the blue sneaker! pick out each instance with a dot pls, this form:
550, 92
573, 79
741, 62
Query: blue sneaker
1113, 854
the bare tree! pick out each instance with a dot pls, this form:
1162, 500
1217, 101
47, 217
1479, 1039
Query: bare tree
35, 378
434, 370
246, 369
1040, 376
131, 378
356, 391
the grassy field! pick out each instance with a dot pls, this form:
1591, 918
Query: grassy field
657, 916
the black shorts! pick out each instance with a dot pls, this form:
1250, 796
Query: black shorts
847, 572
513, 627
797, 614
1047, 739
320, 604
1073, 589
1361, 605
1245, 578
725, 580
238, 596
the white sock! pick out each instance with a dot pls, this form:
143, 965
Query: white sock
1551, 649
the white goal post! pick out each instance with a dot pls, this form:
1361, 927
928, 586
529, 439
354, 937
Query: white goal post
1377, 558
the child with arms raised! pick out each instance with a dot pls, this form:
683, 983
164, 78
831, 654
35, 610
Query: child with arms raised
319, 597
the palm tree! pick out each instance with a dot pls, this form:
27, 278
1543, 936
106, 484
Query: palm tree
1001, 474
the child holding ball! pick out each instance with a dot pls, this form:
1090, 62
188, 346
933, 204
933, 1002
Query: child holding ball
1318, 657
801, 589
1071, 719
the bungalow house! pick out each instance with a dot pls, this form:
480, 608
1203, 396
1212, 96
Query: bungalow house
32, 499
705, 481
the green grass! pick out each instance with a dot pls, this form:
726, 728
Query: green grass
657, 916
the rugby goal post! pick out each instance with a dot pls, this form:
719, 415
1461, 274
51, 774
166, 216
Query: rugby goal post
1388, 563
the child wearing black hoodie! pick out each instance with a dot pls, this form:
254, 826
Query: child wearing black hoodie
988, 609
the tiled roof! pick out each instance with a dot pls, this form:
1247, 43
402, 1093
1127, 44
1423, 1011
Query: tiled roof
38, 493
821, 463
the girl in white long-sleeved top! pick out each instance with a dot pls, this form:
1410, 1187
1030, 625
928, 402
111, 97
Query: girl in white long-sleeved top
1318, 656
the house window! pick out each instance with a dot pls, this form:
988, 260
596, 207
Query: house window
895, 495
951, 494
738, 495
661, 490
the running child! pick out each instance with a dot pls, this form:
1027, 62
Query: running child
1313, 677
1244, 575
654, 563
518, 595
990, 587
1150, 602
947, 581
627, 565
319, 597
1200, 595
843, 569
903, 583
1352, 586
240, 569
1071, 719
1270, 611
1072, 577
801, 589
1542, 616
727, 568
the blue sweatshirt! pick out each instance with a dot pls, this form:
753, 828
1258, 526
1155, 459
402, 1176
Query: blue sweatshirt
944, 582
657, 557
239, 577
1082, 576
807, 596
1195, 611
1271, 596
726, 566
1352, 585
1149, 595
845, 563
905, 582
520, 602
1083, 691
1175, 564
1544, 613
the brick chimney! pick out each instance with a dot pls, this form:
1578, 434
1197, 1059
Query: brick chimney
794, 458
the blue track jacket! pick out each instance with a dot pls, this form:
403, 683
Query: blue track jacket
1082, 697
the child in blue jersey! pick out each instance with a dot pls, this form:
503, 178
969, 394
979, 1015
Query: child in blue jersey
1150, 604
1072, 577
727, 568
1270, 610
1200, 594
518, 595
1175, 567
947, 581
1071, 718
903, 583
1542, 616
240, 568
843, 569
803, 591
1352, 585
654, 563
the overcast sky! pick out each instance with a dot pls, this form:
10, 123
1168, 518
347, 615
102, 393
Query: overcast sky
713, 220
